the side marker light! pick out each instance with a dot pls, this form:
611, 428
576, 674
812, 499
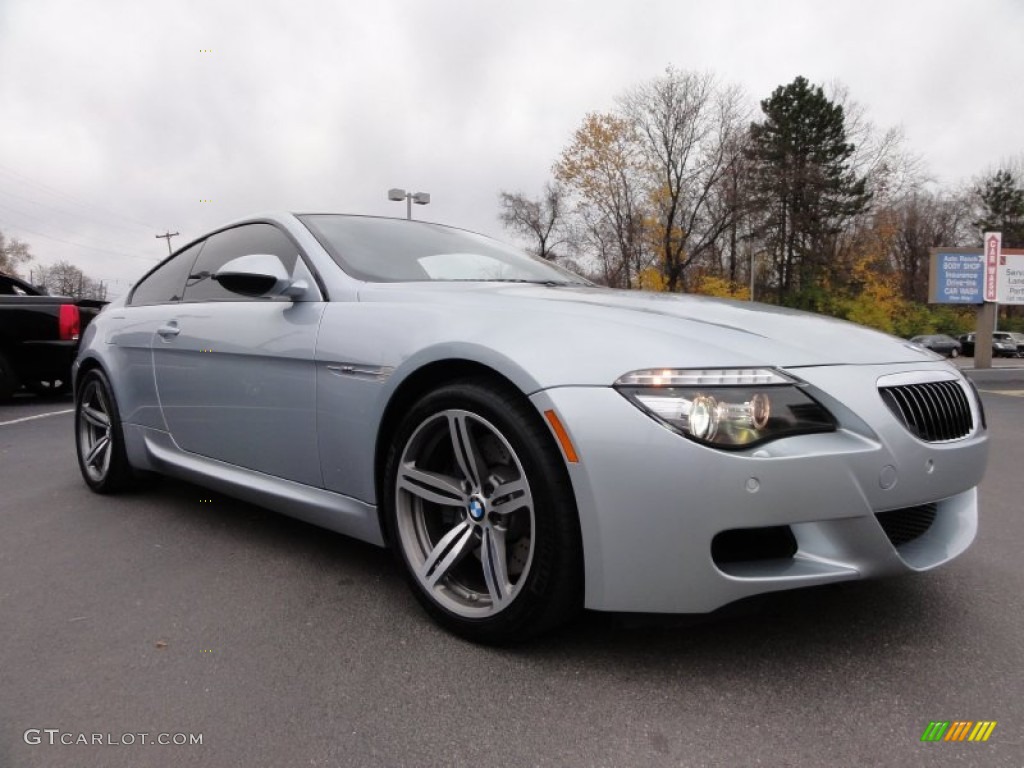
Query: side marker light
563, 437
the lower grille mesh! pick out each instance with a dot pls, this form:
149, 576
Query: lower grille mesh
904, 525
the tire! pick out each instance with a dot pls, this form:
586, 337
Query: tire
99, 436
487, 533
954, 352
8, 381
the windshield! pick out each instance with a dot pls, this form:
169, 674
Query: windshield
394, 250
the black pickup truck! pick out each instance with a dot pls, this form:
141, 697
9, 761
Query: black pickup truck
39, 337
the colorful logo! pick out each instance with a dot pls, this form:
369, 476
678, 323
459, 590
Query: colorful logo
958, 730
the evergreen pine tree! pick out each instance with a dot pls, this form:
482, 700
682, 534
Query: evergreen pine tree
1002, 208
804, 185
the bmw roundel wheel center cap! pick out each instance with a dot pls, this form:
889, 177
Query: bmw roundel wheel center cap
477, 509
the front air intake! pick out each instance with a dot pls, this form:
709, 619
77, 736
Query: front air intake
935, 411
904, 525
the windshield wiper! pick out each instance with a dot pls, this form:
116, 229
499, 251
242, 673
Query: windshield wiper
530, 282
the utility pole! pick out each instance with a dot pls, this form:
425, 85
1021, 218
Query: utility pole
167, 236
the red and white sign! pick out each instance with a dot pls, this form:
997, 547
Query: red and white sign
993, 247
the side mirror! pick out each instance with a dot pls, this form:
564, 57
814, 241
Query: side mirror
258, 275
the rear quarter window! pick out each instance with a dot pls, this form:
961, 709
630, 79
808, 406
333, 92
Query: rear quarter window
166, 283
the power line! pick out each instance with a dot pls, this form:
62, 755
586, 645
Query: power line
22, 213
106, 251
73, 198
64, 211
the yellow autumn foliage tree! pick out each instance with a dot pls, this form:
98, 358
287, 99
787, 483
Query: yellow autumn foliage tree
877, 303
651, 279
603, 167
871, 295
712, 285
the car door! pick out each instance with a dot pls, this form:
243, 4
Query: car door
130, 334
235, 375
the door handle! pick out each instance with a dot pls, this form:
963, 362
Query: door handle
168, 331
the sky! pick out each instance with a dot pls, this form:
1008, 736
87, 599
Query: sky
122, 120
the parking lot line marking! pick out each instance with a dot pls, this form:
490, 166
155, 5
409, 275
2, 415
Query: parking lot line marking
37, 416
1010, 392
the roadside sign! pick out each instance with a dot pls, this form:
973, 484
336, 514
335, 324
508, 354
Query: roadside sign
993, 247
1011, 278
957, 277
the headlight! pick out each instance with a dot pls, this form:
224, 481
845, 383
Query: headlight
734, 408
977, 399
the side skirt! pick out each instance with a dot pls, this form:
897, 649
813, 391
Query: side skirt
155, 450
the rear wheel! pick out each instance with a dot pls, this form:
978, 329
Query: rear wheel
99, 437
480, 513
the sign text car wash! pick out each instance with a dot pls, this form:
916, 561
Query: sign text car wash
986, 277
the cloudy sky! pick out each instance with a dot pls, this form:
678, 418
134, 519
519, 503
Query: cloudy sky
123, 119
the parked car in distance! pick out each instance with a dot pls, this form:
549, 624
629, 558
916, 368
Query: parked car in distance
527, 443
1003, 344
1018, 339
939, 342
38, 337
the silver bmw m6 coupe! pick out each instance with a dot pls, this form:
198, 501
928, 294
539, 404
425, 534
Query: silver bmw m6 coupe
527, 443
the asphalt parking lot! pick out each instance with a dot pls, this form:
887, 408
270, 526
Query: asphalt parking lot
176, 611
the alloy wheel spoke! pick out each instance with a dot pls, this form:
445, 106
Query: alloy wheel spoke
95, 417
431, 486
494, 561
510, 497
467, 454
98, 452
452, 547
455, 462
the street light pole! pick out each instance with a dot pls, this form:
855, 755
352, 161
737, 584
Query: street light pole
752, 274
420, 198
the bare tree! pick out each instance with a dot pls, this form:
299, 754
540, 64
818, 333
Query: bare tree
604, 168
880, 156
926, 220
731, 202
13, 253
689, 126
65, 279
541, 220
597, 248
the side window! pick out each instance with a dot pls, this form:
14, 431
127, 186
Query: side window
167, 283
230, 244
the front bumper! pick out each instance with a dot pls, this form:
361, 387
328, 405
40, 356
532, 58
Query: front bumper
652, 502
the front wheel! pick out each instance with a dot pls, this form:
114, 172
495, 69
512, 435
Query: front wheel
99, 438
480, 512
954, 352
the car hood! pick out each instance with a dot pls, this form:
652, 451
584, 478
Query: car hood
601, 333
